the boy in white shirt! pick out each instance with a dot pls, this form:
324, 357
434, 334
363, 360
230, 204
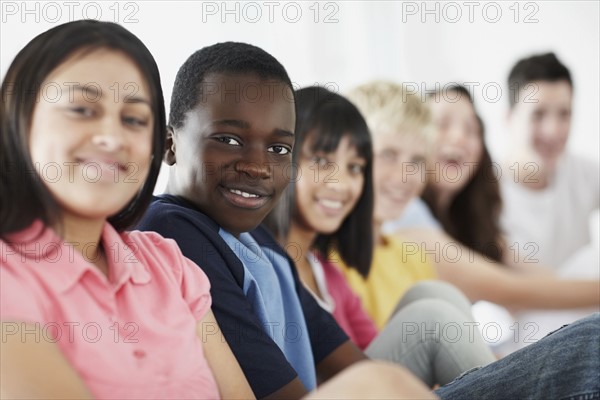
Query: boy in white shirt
549, 193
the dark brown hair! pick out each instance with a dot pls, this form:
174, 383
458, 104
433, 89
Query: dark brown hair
325, 118
473, 215
23, 196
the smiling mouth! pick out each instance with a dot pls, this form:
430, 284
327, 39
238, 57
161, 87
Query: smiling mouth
244, 198
332, 204
331, 208
243, 194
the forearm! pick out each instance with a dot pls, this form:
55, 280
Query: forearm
522, 291
341, 358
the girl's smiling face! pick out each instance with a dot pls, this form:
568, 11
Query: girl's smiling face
91, 133
329, 186
459, 145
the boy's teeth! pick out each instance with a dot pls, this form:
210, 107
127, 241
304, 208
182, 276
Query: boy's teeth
243, 194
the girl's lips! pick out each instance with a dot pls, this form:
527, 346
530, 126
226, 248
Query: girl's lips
102, 170
241, 198
331, 208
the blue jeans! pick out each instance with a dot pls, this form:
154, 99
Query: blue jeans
563, 365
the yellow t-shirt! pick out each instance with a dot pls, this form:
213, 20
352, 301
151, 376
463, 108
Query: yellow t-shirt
397, 265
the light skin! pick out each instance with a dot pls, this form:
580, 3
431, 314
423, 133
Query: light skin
398, 174
106, 132
539, 124
324, 199
103, 161
524, 286
458, 148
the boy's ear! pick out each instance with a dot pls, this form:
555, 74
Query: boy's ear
169, 156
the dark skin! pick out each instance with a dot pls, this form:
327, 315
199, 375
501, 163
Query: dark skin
232, 160
232, 156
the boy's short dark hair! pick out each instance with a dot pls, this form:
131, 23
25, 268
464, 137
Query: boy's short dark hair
226, 57
542, 67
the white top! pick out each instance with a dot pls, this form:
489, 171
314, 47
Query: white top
327, 303
551, 224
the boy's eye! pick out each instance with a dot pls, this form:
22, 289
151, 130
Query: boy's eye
281, 150
229, 140
565, 114
388, 155
538, 115
418, 162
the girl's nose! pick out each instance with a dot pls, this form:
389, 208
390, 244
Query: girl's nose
109, 137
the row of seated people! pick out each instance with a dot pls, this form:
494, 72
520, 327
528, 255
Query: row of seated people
203, 300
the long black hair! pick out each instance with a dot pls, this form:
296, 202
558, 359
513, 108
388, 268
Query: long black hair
23, 196
326, 118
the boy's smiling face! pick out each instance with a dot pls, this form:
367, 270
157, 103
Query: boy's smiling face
232, 156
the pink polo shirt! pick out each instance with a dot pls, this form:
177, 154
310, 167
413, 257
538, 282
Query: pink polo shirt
131, 336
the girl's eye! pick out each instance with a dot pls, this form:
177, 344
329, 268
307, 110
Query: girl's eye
229, 140
357, 169
321, 161
281, 150
82, 111
136, 122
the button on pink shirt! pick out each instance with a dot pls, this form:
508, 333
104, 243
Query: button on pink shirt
131, 336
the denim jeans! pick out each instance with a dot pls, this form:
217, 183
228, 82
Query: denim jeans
563, 365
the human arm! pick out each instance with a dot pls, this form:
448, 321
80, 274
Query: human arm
35, 369
373, 380
230, 379
481, 279
522, 261
341, 358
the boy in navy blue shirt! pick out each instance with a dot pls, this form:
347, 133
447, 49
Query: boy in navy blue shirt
229, 143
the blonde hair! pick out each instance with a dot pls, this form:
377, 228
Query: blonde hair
389, 107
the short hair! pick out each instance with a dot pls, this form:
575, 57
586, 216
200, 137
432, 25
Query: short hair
541, 67
325, 118
389, 107
225, 58
23, 196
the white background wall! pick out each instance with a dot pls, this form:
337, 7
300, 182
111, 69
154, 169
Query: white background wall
454, 41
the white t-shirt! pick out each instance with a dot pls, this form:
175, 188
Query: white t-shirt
550, 225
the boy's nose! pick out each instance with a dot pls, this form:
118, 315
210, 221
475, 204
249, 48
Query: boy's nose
551, 127
254, 170
455, 135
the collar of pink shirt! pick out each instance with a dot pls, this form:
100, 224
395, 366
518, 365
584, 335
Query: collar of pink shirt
40, 244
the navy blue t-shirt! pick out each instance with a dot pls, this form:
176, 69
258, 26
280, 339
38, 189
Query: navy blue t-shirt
262, 361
